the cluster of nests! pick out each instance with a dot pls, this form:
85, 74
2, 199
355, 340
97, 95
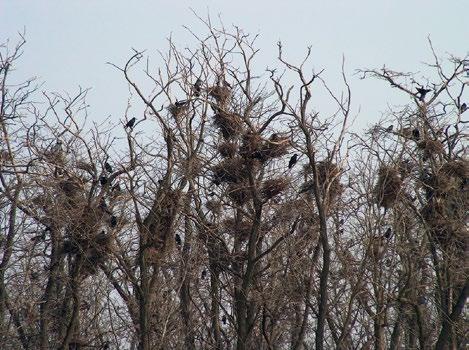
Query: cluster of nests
235, 172
88, 239
89, 223
159, 226
447, 198
447, 194
243, 153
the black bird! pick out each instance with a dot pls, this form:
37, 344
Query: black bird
130, 124
223, 319
416, 134
113, 221
180, 103
388, 233
103, 180
463, 108
204, 274
177, 238
422, 92
389, 128
197, 87
116, 187
108, 167
293, 160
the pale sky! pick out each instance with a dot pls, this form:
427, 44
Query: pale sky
69, 42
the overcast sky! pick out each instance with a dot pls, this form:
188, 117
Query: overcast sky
69, 42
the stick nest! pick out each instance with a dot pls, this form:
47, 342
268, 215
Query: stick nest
273, 187
388, 186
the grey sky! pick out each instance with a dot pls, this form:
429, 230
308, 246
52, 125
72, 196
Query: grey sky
70, 41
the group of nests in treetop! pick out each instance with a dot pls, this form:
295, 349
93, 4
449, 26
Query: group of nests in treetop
241, 161
244, 152
89, 223
428, 146
447, 199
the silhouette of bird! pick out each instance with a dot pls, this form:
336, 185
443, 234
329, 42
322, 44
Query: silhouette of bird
416, 134
204, 274
389, 128
113, 221
116, 187
103, 180
57, 148
423, 92
108, 167
178, 240
463, 108
198, 87
130, 124
293, 160
388, 233
223, 319
103, 205
180, 103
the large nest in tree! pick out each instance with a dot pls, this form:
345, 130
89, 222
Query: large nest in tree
388, 186
276, 146
230, 170
85, 226
178, 111
457, 169
71, 187
220, 93
406, 167
239, 193
239, 228
274, 187
98, 252
447, 220
252, 146
448, 180
229, 124
431, 147
227, 149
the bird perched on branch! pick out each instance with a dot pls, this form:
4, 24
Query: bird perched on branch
57, 148
198, 87
130, 124
178, 240
108, 167
181, 103
416, 134
389, 128
463, 108
422, 92
388, 233
103, 180
293, 160
113, 221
